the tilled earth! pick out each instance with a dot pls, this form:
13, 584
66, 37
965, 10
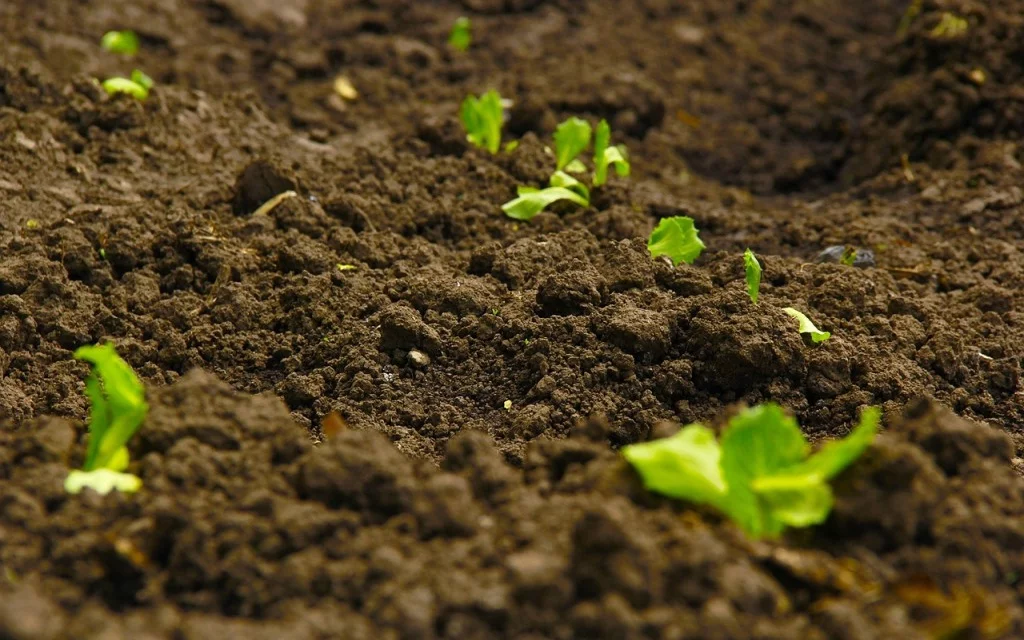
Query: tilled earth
786, 126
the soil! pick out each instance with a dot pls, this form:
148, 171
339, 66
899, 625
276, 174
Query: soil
786, 126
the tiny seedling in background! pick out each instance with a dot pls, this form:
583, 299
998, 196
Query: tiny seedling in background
118, 409
606, 155
482, 117
532, 201
137, 86
759, 475
950, 26
807, 327
125, 43
572, 138
677, 238
753, 269
460, 37
849, 256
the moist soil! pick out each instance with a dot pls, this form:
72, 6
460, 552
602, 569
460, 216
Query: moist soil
485, 371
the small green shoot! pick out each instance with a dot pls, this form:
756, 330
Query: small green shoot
125, 42
532, 201
849, 256
677, 238
576, 166
753, 269
759, 475
606, 155
118, 409
460, 37
950, 26
137, 87
482, 117
346, 267
807, 327
572, 138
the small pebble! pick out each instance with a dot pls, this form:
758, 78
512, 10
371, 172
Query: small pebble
418, 358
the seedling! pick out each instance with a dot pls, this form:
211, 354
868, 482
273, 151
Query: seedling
460, 37
759, 475
849, 256
118, 409
950, 26
125, 43
677, 238
606, 155
532, 201
482, 117
572, 138
137, 86
753, 269
807, 327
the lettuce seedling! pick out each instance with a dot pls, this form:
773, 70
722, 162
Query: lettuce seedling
125, 42
118, 409
138, 86
606, 155
753, 269
482, 117
807, 327
677, 238
572, 138
760, 475
460, 37
532, 201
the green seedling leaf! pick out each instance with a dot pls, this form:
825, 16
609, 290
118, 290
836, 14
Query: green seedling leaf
460, 37
807, 327
141, 79
576, 166
563, 179
606, 155
759, 475
532, 201
123, 85
118, 407
849, 256
572, 138
753, 269
685, 466
102, 481
125, 42
677, 238
482, 117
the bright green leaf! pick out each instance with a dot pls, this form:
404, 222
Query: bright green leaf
563, 179
118, 407
576, 166
124, 85
676, 238
123, 42
141, 79
572, 138
483, 117
684, 466
102, 481
753, 269
606, 155
806, 326
460, 37
532, 201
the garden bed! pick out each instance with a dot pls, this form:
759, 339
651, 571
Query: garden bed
486, 370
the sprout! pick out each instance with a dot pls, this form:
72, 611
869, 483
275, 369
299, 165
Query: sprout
677, 238
460, 37
125, 42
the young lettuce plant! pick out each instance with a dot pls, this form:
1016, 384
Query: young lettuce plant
753, 269
606, 155
460, 36
759, 475
483, 117
572, 138
807, 327
118, 409
532, 201
677, 238
137, 86
125, 42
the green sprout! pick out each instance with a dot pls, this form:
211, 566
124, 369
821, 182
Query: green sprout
125, 42
849, 256
753, 269
482, 117
950, 26
572, 138
118, 409
532, 201
606, 155
460, 37
807, 327
759, 475
137, 86
677, 238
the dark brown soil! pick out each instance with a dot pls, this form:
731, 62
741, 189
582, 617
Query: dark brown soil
777, 125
